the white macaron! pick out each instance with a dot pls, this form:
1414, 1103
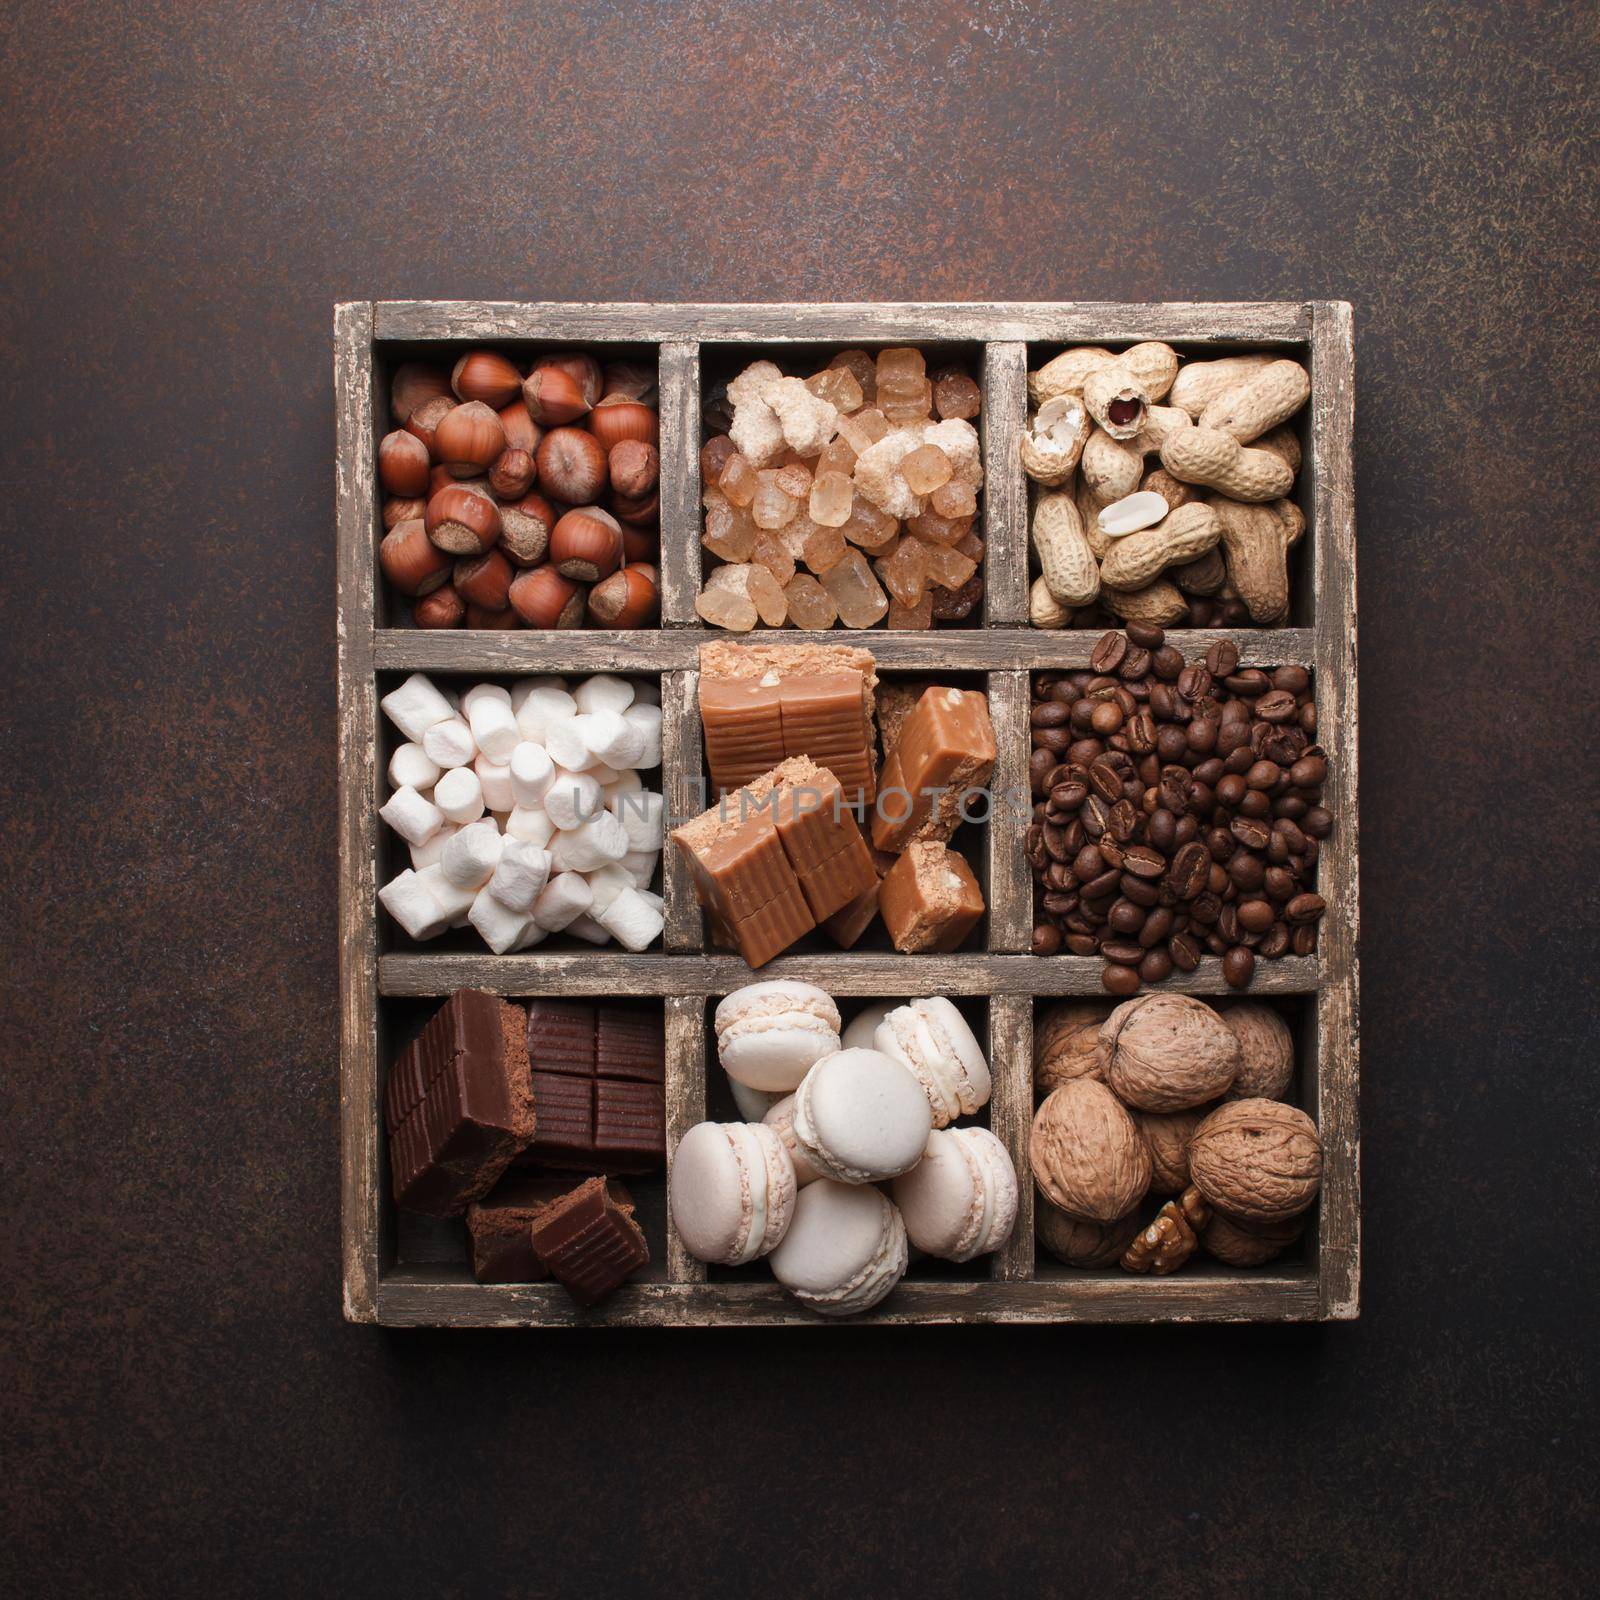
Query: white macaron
932, 1040
769, 1034
753, 1104
732, 1190
860, 1029
781, 1118
960, 1200
845, 1249
860, 1117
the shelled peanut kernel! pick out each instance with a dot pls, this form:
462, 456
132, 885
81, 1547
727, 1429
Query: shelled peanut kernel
864, 474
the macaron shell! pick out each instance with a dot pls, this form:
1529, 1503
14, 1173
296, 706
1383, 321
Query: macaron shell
775, 997
860, 1117
753, 1104
951, 1027
858, 1033
845, 1249
780, 1118
1000, 1177
942, 1198
708, 1194
775, 1053
772, 1184
904, 1036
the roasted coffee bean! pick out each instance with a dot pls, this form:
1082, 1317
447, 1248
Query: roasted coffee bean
1156, 926
1291, 835
1220, 844
1108, 652
1304, 940
1085, 751
1105, 780
1175, 789
1201, 735
1052, 739
1125, 952
1308, 719
1228, 923
1059, 876
1106, 718
1312, 851
1184, 949
1046, 939
1162, 830
1106, 884
1279, 883
1238, 968
1188, 828
1231, 790
1209, 771
1201, 798
1255, 804
1278, 705
1166, 663
1134, 665
1049, 715
1206, 908
1309, 772
1246, 871
1141, 731
1194, 683
1040, 764
1317, 822
1111, 850
1139, 890
1080, 944
1093, 816
1120, 981
1066, 692
1275, 942
1123, 821
1222, 656
1081, 716
1255, 916
1305, 908
1156, 966
1143, 862
1125, 916
1145, 634
1055, 842
1058, 903
1171, 746
1296, 680
1263, 774
1088, 864
1187, 874
1248, 684
1289, 805
1251, 832
1078, 921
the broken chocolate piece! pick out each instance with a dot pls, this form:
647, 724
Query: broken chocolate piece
589, 1243
501, 1227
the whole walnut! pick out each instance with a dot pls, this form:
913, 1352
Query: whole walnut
1087, 1155
1266, 1050
1223, 1238
1066, 1043
1077, 1243
1259, 1161
1166, 1136
1167, 1052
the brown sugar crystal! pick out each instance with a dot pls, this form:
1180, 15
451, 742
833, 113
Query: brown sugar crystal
945, 748
930, 899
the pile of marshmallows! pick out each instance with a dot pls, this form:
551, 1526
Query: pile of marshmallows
524, 810
840, 1115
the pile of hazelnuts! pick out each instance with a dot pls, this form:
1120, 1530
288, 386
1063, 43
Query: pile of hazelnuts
523, 498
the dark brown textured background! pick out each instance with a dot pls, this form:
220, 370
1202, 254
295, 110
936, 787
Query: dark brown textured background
188, 189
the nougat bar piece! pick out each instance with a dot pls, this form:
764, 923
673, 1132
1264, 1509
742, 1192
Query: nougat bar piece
946, 748
589, 1243
845, 927
819, 834
459, 1104
820, 716
743, 730
500, 1227
897, 699
930, 899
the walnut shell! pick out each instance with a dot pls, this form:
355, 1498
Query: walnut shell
1066, 1041
1167, 1052
1087, 1155
1166, 1136
1247, 1247
1260, 1161
1266, 1051
1077, 1243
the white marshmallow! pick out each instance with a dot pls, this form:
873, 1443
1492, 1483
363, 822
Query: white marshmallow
566, 896
590, 845
431, 850
640, 865
533, 934
624, 783
454, 901
459, 795
643, 818
653, 900
498, 925
631, 920
567, 746
603, 775
611, 738
646, 691
416, 706
415, 819
531, 773
604, 887
449, 743
471, 856
541, 709
411, 765
523, 687
572, 799
496, 781
520, 875
603, 692
587, 929
646, 721
407, 900
531, 824
493, 724
483, 691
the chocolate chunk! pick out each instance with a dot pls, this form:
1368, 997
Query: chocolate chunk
589, 1243
459, 1104
501, 1227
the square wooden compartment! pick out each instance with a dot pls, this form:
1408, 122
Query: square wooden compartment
399, 1274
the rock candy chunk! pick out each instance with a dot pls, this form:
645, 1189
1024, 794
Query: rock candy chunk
900, 369
757, 432
810, 605
767, 595
915, 407
725, 600
947, 567
837, 456
918, 616
793, 535
864, 370
956, 395
858, 595
753, 383
730, 532
807, 422
771, 508
831, 497
879, 478
869, 527
925, 469
838, 386
824, 547
970, 545
959, 441
905, 571
738, 481
954, 500
939, 530
794, 478
770, 552
864, 429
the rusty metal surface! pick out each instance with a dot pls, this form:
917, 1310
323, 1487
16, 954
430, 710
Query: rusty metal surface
189, 189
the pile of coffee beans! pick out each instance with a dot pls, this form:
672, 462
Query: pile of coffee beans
1177, 811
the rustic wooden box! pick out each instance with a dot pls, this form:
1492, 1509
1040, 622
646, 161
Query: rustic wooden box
394, 1271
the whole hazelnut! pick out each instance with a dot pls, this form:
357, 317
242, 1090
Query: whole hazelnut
492, 621
462, 522
1077, 1243
586, 544
1266, 1051
1167, 1135
511, 476
411, 561
525, 527
640, 512
1259, 1161
572, 466
484, 581
441, 609
522, 432
640, 544
623, 380
412, 384
469, 439
397, 510
1167, 1052
635, 467
425, 419
402, 463
1066, 1043
544, 599
617, 419
553, 396
627, 599
1086, 1154
486, 375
